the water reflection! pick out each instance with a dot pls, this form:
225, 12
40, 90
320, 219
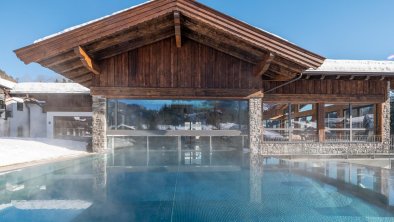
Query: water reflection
188, 184
371, 183
256, 173
178, 150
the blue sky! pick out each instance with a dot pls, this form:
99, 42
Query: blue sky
337, 29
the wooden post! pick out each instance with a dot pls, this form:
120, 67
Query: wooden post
320, 122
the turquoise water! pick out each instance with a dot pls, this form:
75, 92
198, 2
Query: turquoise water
185, 186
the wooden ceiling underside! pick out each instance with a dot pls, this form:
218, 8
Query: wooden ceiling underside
274, 59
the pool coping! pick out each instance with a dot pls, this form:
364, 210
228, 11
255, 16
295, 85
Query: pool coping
23, 165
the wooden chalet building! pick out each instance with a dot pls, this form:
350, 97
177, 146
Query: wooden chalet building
179, 69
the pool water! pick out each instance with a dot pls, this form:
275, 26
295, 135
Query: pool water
184, 187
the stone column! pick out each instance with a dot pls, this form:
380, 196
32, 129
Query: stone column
255, 125
386, 121
99, 131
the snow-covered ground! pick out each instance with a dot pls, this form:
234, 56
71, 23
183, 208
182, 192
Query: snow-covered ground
18, 150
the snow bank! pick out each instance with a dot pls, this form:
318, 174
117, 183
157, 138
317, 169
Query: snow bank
51, 204
17, 150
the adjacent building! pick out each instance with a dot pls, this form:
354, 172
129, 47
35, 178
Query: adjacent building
5, 86
52, 110
181, 75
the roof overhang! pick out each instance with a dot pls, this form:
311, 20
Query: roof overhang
352, 70
75, 53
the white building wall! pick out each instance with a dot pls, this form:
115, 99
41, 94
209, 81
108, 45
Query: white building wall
4, 127
18, 120
38, 122
42, 124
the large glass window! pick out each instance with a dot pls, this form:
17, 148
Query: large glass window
289, 122
350, 122
75, 128
177, 115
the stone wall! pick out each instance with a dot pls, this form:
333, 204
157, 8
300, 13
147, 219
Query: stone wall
344, 148
99, 131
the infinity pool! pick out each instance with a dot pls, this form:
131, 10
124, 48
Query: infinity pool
184, 187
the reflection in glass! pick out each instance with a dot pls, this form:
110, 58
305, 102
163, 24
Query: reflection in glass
177, 115
72, 127
350, 122
289, 122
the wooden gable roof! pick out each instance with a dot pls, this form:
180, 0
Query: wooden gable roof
76, 53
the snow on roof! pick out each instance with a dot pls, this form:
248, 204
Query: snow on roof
123, 10
89, 22
14, 99
6, 83
42, 87
353, 66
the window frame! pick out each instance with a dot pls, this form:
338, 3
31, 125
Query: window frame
19, 106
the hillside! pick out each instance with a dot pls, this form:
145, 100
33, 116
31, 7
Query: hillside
5, 76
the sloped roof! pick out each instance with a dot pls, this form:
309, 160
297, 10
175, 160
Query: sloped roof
6, 83
352, 70
353, 66
55, 88
154, 21
86, 23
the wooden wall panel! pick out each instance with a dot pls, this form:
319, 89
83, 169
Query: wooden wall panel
195, 66
329, 86
163, 65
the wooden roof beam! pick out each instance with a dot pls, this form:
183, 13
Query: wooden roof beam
133, 44
76, 72
88, 62
289, 65
264, 65
177, 25
56, 60
222, 47
67, 66
281, 74
81, 79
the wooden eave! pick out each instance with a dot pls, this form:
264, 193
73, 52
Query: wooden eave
154, 21
337, 75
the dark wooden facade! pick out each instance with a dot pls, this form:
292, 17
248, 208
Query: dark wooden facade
63, 102
163, 65
328, 90
162, 70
